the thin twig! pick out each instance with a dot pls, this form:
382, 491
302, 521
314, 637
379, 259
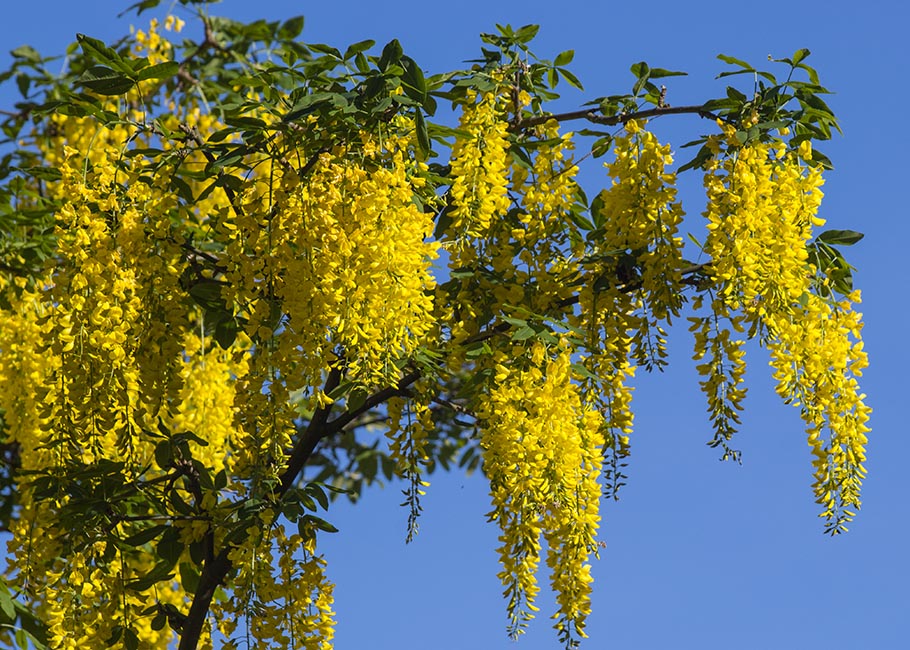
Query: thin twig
610, 120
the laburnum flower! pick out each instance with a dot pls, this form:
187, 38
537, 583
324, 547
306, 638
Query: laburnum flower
762, 204
480, 164
542, 450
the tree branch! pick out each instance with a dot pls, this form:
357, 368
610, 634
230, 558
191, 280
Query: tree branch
611, 120
304, 447
373, 400
216, 567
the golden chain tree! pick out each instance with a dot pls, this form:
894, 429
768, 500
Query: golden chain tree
242, 275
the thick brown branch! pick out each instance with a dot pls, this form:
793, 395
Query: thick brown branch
213, 573
611, 120
304, 447
372, 401
217, 567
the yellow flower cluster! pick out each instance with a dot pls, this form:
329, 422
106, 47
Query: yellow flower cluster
762, 204
723, 371
606, 320
83, 354
281, 593
343, 253
542, 453
631, 284
817, 356
91, 603
151, 44
642, 215
536, 251
480, 167
528, 249
23, 370
96, 314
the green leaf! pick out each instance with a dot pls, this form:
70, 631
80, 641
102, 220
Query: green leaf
840, 237
391, 53
43, 173
164, 454
291, 28
580, 220
189, 577
571, 78
226, 333
315, 490
415, 85
517, 322
206, 293
31, 625
526, 34
159, 621
105, 81
730, 73
819, 158
169, 547
564, 58
799, 55
159, 71
140, 7
704, 155
443, 221
423, 138
130, 639
523, 334
144, 536
357, 48
597, 215
642, 71
583, 372
734, 61
363, 66
312, 520
6, 604
23, 82
26, 52
325, 49
658, 73
97, 50
161, 571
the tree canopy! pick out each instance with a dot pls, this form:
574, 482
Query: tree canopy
243, 275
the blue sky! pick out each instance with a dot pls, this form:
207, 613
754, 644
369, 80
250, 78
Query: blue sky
700, 554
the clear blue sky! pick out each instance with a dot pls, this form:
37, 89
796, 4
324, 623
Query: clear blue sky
700, 554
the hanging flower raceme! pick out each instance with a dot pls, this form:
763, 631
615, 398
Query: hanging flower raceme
762, 204
542, 451
480, 166
817, 357
723, 367
343, 255
282, 598
641, 215
410, 425
641, 218
542, 235
90, 420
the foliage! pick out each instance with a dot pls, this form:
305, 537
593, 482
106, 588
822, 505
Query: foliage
243, 275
